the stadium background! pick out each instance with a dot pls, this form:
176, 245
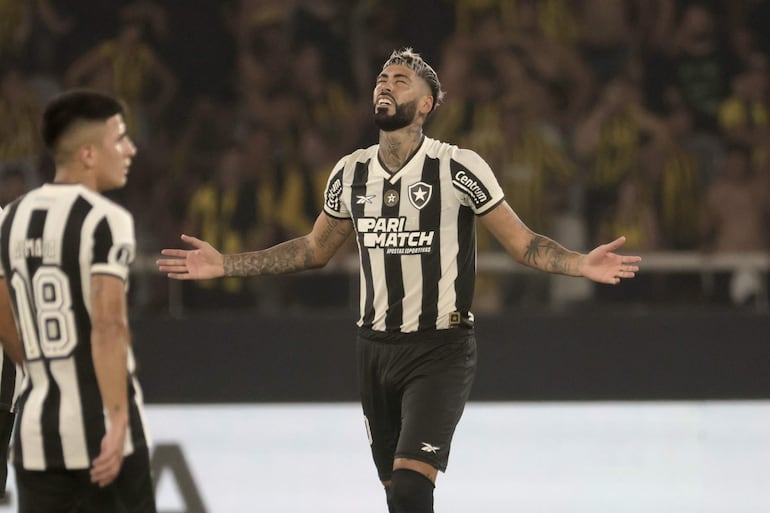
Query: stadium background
654, 114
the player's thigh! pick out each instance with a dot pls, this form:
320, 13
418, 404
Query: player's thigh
433, 403
381, 406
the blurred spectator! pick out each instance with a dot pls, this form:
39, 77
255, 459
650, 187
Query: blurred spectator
536, 173
468, 12
262, 187
303, 185
193, 153
449, 120
700, 66
735, 219
212, 213
12, 184
128, 67
324, 104
556, 63
532, 165
200, 49
680, 183
263, 33
606, 35
304, 181
609, 140
20, 110
28, 29
744, 117
325, 25
634, 216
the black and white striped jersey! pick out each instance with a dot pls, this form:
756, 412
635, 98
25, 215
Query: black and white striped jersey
52, 240
415, 232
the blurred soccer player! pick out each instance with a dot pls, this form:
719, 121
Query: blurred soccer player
65, 252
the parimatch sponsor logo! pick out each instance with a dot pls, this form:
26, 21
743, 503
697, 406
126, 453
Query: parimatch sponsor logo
390, 234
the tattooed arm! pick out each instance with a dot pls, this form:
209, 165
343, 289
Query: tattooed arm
540, 252
308, 252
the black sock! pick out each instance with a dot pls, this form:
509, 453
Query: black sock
410, 492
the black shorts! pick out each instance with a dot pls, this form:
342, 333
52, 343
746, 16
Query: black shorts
56, 491
413, 391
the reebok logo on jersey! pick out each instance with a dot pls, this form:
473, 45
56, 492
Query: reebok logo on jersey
426, 447
390, 234
419, 194
360, 200
468, 183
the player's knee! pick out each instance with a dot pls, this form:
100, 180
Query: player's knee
410, 492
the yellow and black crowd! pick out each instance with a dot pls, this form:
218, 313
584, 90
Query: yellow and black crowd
648, 118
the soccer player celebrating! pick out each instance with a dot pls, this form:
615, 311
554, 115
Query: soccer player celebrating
411, 202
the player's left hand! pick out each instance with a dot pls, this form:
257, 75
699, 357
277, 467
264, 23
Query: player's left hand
604, 266
106, 467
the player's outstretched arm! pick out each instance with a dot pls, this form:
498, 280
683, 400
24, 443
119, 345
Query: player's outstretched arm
602, 264
308, 252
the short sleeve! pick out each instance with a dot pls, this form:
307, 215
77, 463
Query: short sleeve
333, 194
114, 244
475, 183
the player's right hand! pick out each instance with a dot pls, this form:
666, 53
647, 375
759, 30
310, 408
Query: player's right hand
203, 262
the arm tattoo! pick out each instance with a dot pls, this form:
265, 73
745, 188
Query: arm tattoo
291, 256
545, 254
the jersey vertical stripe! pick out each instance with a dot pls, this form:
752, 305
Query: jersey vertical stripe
393, 271
430, 215
415, 230
53, 241
466, 260
359, 190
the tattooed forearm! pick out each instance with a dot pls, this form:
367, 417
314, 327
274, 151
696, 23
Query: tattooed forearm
291, 256
545, 254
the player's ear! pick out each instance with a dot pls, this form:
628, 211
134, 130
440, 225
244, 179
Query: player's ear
426, 104
85, 154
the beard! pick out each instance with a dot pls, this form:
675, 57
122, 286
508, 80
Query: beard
403, 116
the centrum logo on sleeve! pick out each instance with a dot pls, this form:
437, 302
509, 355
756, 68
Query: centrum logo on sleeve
472, 186
390, 234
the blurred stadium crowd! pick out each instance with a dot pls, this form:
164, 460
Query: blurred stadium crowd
649, 118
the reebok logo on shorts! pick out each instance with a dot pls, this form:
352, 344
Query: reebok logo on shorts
426, 447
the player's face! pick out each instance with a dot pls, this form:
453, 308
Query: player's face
114, 154
398, 95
